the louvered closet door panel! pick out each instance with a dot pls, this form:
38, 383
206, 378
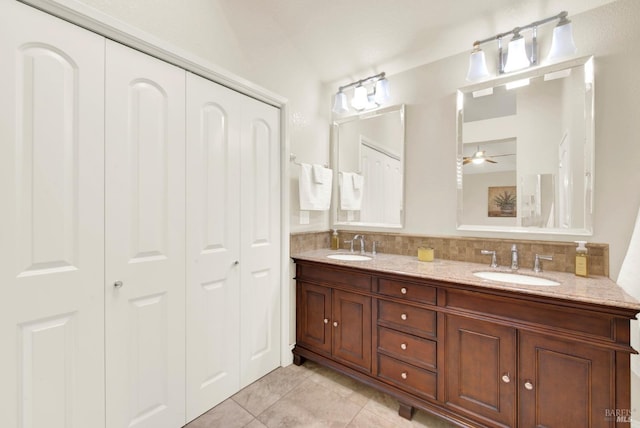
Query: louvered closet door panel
260, 240
51, 222
213, 231
145, 229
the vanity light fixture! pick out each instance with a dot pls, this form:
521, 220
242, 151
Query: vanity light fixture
517, 57
363, 99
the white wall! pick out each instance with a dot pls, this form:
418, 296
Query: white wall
221, 34
610, 33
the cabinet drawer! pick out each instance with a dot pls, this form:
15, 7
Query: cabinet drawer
407, 377
407, 290
407, 318
333, 276
410, 349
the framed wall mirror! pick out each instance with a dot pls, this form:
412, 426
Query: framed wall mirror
525, 156
368, 160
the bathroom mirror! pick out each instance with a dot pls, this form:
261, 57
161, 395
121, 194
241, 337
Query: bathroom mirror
368, 162
525, 155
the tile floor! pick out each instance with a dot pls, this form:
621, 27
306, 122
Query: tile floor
310, 396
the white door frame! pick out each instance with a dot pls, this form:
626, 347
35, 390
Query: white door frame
105, 25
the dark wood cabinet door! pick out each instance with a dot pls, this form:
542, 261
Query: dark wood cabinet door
565, 383
313, 312
351, 326
480, 370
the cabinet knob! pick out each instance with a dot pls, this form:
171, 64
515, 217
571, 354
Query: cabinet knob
403, 290
403, 346
118, 284
506, 378
335, 323
403, 375
528, 385
326, 320
403, 317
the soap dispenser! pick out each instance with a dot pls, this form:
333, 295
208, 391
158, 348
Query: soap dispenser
335, 240
582, 259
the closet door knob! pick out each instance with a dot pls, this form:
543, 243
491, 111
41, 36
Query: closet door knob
403, 317
237, 262
118, 284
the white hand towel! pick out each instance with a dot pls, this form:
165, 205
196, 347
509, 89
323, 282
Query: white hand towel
357, 181
318, 174
350, 197
314, 196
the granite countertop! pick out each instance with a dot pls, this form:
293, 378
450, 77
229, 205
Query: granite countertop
596, 289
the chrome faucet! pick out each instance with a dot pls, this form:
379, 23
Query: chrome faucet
361, 238
374, 248
537, 266
514, 257
494, 262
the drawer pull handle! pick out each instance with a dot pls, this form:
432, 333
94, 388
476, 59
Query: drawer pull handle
528, 385
506, 378
403, 346
403, 375
326, 320
403, 317
335, 323
403, 290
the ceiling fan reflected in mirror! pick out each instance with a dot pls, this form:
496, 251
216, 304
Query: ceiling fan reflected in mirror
480, 156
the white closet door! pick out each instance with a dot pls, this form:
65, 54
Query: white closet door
145, 229
213, 230
51, 222
260, 240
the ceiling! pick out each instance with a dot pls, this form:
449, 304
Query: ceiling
343, 39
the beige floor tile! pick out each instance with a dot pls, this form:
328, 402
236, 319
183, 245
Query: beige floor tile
255, 424
343, 385
261, 394
227, 414
368, 419
310, 405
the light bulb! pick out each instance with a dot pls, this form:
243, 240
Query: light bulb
516, 55
562, 44
382, 91
477, 65
360, 99
340, 103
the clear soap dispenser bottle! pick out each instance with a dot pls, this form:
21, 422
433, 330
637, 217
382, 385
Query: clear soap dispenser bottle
582, 259
335, 240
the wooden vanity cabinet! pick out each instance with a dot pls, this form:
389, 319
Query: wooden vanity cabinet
564, 383
335, 323
476, 357
481, 376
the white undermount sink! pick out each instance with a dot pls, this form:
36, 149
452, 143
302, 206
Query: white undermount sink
349, 257
515, 278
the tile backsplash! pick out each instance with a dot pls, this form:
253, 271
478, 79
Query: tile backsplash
466, 249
